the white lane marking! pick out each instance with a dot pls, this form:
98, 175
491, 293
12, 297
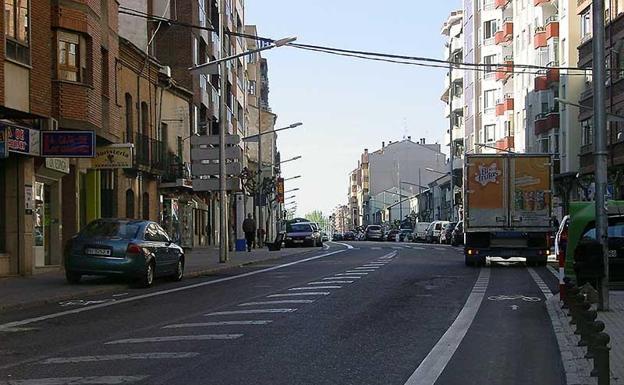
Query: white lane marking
432, 366
158, 293
397, 247
115, 357
251, 311
349, 247
332, 278
440, 248
298, 294
553, 271
285, 301
197, 337
540, 283
325, 247
366, 268
348, 273
314, 288
357, 272
220, 323
375, 248
418, 248
101, 380
328, 282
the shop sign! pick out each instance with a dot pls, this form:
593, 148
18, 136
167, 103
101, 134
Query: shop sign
58, 164
4, 149
68, 144
18, 139
112, 157
280, 190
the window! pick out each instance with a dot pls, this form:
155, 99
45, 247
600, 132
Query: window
587, 132
489, 132
586, 23
252, 87
489, 29
17, 30
144, 118
129, 118
129, 203
68, 58
105, 84
489, 99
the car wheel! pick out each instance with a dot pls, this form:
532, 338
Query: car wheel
179, 272
147, 279
72, 277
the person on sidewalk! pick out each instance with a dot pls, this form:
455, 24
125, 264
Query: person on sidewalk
249, 228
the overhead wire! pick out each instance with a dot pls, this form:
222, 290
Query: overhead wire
378, 56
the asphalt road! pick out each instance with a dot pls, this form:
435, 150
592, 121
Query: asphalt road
379, 313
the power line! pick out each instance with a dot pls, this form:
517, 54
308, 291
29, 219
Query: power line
376, 56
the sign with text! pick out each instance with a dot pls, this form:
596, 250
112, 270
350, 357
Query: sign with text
113, 157
58, 164
4, 148
280, 190
18, 139
68, 144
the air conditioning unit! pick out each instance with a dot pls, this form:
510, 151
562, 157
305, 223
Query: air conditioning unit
166, 70
49, 124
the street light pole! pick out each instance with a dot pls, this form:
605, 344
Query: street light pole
223, 207
451, 145
600, 151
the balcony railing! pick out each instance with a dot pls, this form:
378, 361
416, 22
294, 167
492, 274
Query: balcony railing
149, 153
174, 168
505, 34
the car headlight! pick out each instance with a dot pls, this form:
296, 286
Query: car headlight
288, 238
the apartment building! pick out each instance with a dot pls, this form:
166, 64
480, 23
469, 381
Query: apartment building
614, 47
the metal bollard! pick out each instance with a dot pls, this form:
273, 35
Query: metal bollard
601, 359
573, 301
595, 327
588, 318
568, 287
581, 321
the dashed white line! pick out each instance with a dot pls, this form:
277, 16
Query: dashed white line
299, 294
540, 283
197, 337
27, 321
251, 311
553, 271
282, 302
349, 277
220, 323
101, 380
366, 268
328, 282
350, 274
375, 248
349, 247
115, 357
432, 366
314, 288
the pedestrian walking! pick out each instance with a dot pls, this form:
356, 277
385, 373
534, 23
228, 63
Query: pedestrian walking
249, 228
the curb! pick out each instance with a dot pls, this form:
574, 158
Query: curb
576, 367
98, 291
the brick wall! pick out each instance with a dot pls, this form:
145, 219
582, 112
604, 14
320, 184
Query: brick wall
41, 59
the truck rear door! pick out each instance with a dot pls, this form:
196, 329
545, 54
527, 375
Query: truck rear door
486, 192
530, 191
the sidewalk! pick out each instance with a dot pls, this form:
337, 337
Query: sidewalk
577, 368
21, 292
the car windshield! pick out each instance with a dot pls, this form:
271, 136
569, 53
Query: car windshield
111, 229
615, 230
375, 228
299, 228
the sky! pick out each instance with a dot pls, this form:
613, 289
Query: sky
348, 104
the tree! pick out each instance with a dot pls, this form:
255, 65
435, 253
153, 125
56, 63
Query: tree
318, 217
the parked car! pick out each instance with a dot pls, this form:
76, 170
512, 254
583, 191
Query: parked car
583, 249
324, 237
420, 231
405, 235
457, 236
337, 237
373, 233
136, 249
349, 236
433, 231
445, 233
392, 235
302, 234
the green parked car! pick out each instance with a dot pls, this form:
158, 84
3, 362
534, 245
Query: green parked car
582, 245
136, 249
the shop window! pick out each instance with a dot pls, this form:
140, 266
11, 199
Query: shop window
146, 206
108, 205
17, 30
68, 57
129, 203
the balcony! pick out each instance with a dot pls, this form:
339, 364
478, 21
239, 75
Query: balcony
546, 121
504, 105
505, 144
552, 75
501, 4
541, 82
540, 39
149, 153
505, 71
505, 34
175, 169
552, 27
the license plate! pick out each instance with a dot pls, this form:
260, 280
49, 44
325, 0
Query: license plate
297, 241
612, 253
94, 251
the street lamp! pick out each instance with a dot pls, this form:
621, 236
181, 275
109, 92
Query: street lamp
256, 137
494, 148
290, 197
283, 161
292, 177
210, 67
610, 117
291, 190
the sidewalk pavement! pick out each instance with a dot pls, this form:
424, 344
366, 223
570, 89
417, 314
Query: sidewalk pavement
22, 292
578, 368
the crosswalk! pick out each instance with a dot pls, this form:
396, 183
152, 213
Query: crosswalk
216, 326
